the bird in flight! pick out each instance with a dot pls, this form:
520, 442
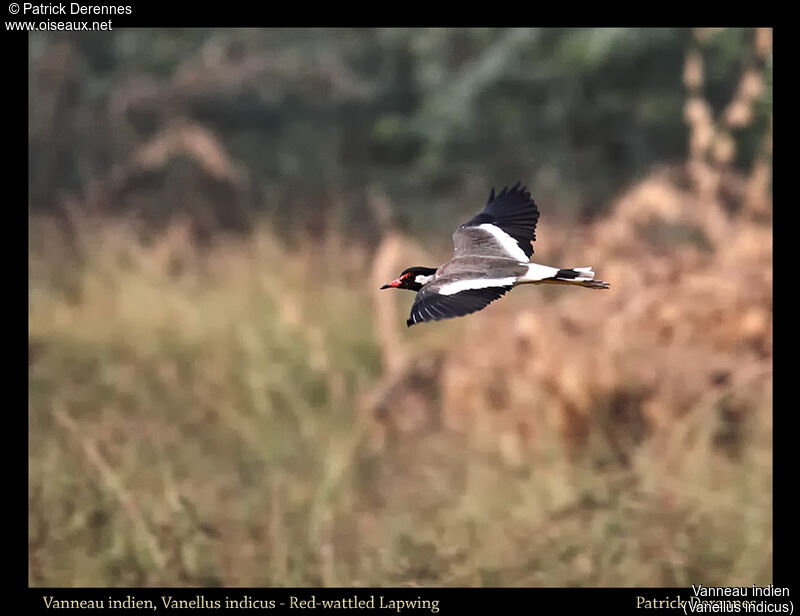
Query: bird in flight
491, 257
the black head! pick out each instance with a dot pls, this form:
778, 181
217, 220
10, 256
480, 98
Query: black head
412, 278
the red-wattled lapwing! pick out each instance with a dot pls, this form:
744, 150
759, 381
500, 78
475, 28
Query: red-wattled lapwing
492, 256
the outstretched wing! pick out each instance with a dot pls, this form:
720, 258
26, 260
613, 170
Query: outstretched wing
505, 227
433, 305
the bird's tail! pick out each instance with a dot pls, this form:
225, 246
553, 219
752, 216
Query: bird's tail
582, 276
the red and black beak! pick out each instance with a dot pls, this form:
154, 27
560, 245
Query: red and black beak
393, 284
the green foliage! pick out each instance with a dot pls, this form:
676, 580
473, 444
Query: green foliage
432, 115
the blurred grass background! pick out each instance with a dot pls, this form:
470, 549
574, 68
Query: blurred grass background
219, 395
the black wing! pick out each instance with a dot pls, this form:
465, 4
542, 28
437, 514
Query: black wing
514, 212
432, 306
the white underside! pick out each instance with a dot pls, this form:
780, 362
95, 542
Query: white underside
537, 273
540, 273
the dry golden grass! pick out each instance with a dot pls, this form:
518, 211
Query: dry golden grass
255, 413
239, 414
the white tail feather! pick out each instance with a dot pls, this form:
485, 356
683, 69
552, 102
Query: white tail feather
588, 273
552, 275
